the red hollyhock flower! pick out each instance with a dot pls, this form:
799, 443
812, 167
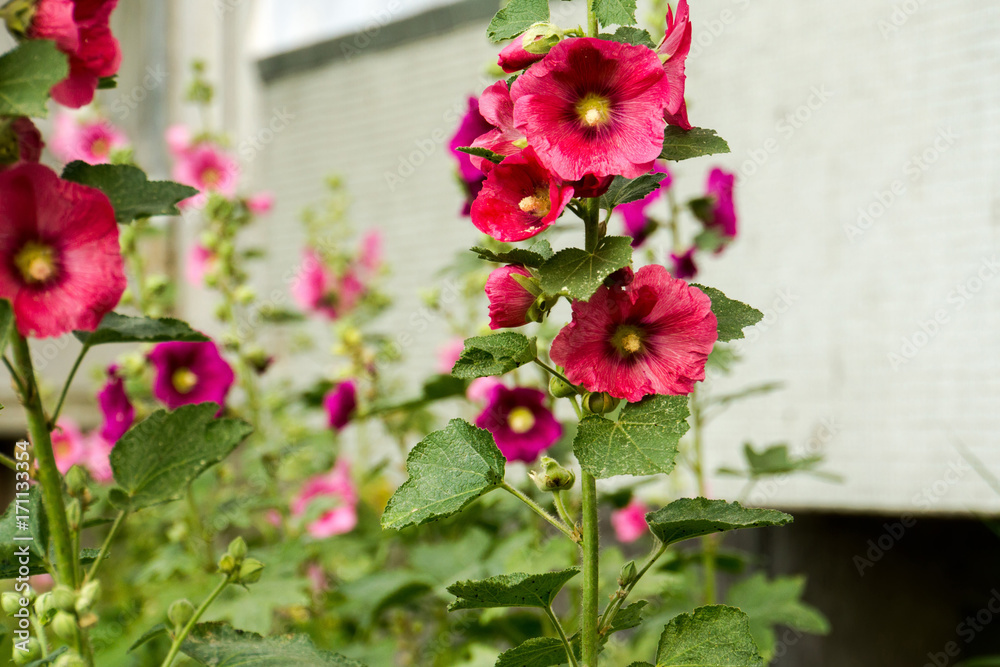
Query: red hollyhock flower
473, 124
80, 30
501, 136
62, 267
189, 373
117, 408
509, 300
723, 214
340, 403
651, 337
594, 107
673, 51
591, 186
20, 141
520, 423
514, 57
519, 199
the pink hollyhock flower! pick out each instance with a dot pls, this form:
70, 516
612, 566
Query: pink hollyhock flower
637, 223
317, 289
520, 199
62, 267
117, 408
333, 488
261, 203
673, 51
68, 444
684, 266
97, 457
593, 107
473, 124
208, 168
200, 260
189, 373
520, 423
514, 57
178, 139
371, 252
502, 137
591, 186
509, 300
723, 214
341, 402
80, 30
480, 389
91, 142
20, 141
650, 337
448, 354
630, 521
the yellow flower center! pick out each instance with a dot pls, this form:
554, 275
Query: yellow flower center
594, 110
36, 262
184, 380
521, 420
537, 205
629, 340
100, 147
211, 177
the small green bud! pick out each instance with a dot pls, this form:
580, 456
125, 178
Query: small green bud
222, 313
560, 388
11, 602
64, 598
238, 549
244, 294
44, 604
64, 625
74, 513
17, 14
179, 613
33, 652
227, 564
250, 571
89, 594
157, 284
69, 660
76, 481
553, 477
599, 403
177, 532
628, 574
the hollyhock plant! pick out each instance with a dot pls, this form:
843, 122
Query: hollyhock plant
509, 299
62, 268
593, 107
502, 137
521, 424
20, 141
520, 199
317, 289
673, 51
119, 413
334, 488
68, 444
208, 168
637, 224
722, 215
90, 141
341, 402
629, 522
650, 337
684, 265
80, 30
189, 373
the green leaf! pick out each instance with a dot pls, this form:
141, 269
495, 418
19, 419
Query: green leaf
221, 645
775, 460
25, 518
160, 629
686, 518
115, 328
772, 603
494, 354
713, 636
6, 322
625, 190
516, 17
631, 35
438, 387
579, 273
641, 664
49, 659
485, 153
733, 316
510, 590
536, 652
156, 459
131, 194
27, 73
615, 12
642, 442
534, 256
447, 470
628, 617
681, 144
107, 82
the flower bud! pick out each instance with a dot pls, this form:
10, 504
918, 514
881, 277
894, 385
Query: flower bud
64, 598
244, 294
238, 549
88, 596
599, 403
64, 625
17, 14
44, 604
512, 292
560, 388
179, 613
11, 602
33, 652
227, 564
250, 571
76, 480
553, 477
74, 513
157, 284
69, 660
529, 48
628, 574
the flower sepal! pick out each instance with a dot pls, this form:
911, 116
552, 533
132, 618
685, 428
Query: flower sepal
552, 477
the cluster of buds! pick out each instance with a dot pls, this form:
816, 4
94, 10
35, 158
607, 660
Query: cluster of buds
62, 609
235, 564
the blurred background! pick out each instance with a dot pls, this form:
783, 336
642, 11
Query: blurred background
866, 141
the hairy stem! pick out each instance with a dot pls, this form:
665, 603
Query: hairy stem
69, 381
104, 547
552, 371
591, 570
562, 636
540, 511
608, 617
708, 542
592, 28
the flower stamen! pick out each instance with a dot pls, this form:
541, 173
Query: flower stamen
538, 204
629, 340
594, 110
36, 262
184, 380
521, 420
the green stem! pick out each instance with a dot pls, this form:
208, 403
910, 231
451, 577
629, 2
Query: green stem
560, 504
105, 547
8, 462
179, 639
15, 378
608, 618
43, 639
198, 532
708, 544
540, 511
592, 27
591, 570
576, 406
69, 381
562, 636
674, 223
553, 371
592, 225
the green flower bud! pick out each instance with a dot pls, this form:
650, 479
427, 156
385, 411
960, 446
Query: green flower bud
560, 388
44, 604
157, 284
227, 564
33, 652
64, 625
76, 481
17, 14
238, 549
179, 613
74, 513
250, 571
244, 294
69, 660
599, 403
540, 38
64, 598
89, 594
628, 574
11, 602
553, 477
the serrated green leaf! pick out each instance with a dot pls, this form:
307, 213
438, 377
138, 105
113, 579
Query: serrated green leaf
447, 470
681, 144
625, 190
160, 629
686, 518
516, 17
157, 458
115, 328
579, 273
642, 442
628, 617
510, 590
533, 256
484, 153
132, 195
221, 645
438, 387
6, 324
27, 74
733, 316
535, 652
494, 354
615, 12
641, 664
772, 603
631, 35
712, 636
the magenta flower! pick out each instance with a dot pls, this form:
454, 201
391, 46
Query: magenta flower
650, 337
520, 199
260, 203
92, 142
336, 497
189, 373
370, 260
520, 423
509, 299
630, 521
200, 260
722, 217
684, 266
637, 223
62, 268
448, 354
473, 124
591, 186
341, 402
503, 138
673, 51
318, 290
116, 406
80, 30
514, 57
209, 169
20, 141
68, 444
593, 107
